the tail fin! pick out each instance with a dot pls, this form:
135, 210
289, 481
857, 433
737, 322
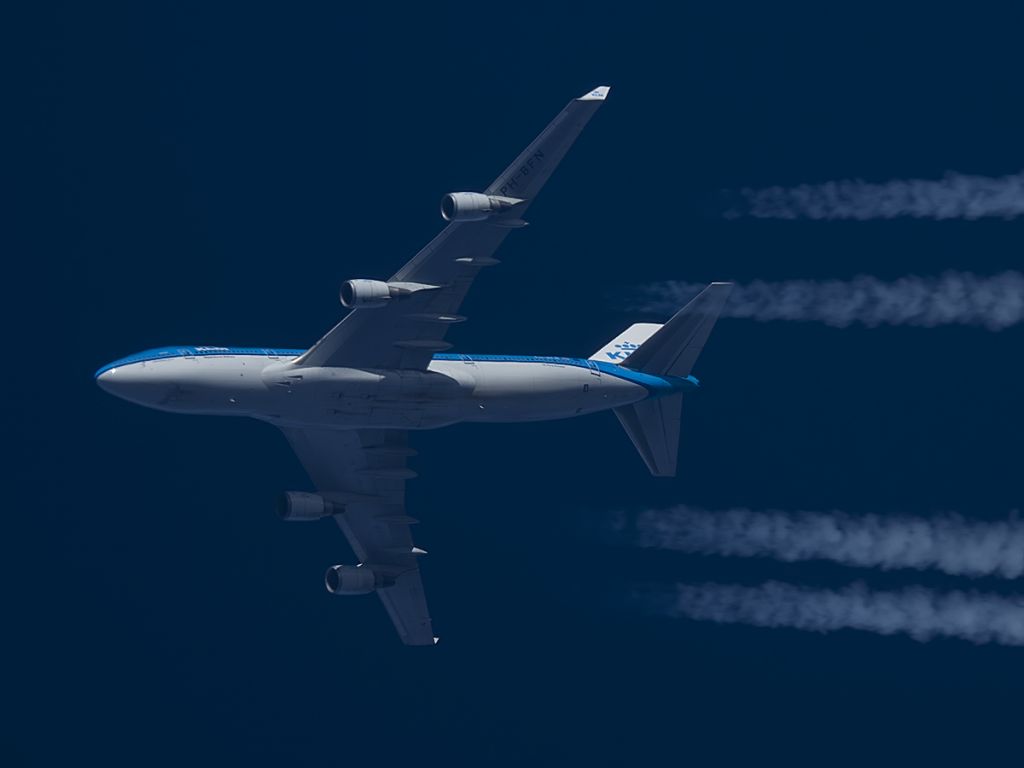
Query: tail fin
622, 346
653, 424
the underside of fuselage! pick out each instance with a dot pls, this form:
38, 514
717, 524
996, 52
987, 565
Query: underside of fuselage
266, 384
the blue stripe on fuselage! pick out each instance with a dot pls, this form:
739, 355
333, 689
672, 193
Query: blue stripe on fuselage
169, 353
661, 385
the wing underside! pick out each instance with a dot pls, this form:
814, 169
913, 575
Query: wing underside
406, 333
364, 472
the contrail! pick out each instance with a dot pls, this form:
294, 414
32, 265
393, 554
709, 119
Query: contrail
920, 613
945, 542
953, 298
954, 196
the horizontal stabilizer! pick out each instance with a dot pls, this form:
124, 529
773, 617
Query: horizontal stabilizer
653, 426
674, 348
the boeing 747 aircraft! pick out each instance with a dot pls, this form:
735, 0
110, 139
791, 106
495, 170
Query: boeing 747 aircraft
348, 403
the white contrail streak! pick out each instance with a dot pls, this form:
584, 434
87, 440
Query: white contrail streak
954, 196
920, 613
945, 542
953, 298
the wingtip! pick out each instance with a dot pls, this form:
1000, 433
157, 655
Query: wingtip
598, 94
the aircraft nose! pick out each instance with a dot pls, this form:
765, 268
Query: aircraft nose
105, 379
126, 382
133, 383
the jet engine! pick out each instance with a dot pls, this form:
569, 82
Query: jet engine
295, 505
354, 580
473, 206
364, 293
377, 293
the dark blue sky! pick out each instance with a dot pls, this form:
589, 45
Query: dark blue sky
209, 175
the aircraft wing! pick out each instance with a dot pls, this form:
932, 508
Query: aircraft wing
364, 471
405, 333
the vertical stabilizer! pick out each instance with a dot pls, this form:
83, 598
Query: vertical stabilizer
622, 346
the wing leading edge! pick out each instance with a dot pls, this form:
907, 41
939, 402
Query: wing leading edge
406, 333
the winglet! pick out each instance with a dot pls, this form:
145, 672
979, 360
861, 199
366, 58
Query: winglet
598, 94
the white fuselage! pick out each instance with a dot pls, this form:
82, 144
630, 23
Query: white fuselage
267, 385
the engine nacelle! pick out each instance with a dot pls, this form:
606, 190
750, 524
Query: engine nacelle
473, 206
295, 505
377, 293
364, 293
354, 580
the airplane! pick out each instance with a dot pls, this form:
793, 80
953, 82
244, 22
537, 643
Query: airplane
347, 404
